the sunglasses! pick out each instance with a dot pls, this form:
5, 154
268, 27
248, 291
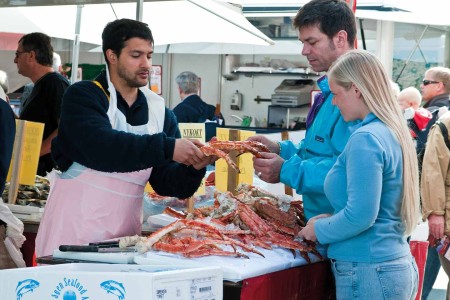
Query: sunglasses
427, 82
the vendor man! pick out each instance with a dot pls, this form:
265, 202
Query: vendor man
115, 135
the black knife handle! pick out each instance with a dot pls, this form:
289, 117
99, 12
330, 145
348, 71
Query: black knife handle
78, 248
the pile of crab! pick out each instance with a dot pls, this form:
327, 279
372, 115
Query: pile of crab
252, 218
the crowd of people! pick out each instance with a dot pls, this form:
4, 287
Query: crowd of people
357, 168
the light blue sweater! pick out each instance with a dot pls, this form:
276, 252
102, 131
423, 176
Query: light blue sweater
365, 189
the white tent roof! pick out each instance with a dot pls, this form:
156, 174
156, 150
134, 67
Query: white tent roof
171, 22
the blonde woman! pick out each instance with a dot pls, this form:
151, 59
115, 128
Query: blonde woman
373, 188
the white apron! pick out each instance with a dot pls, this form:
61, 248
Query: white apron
86, 205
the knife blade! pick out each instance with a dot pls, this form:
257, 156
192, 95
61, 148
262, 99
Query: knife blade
93, 248
107, 244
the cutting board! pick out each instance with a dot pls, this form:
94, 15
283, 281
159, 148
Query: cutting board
114, 258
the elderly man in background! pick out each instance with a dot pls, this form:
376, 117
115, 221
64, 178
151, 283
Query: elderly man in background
435, 90
192, 108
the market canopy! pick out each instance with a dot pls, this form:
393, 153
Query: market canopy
172, 22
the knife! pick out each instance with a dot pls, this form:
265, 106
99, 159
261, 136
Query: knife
93, 248
108, 244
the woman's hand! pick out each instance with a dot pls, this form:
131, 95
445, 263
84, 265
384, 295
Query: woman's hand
308, 232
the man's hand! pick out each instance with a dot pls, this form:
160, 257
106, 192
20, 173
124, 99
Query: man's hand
268, 167
273, 146
186, 152
197, 158
436, 225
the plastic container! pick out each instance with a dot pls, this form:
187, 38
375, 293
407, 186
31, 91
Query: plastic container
155, 206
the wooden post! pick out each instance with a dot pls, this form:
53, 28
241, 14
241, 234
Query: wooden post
287, 189
17, 162
232, 174
190, 205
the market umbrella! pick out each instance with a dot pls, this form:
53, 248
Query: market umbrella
172, 22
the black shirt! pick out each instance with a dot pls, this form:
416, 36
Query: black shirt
44, 106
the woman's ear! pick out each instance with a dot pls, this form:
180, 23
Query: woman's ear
356, 90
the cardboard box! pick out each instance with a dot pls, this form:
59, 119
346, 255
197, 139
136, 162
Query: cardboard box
111, 282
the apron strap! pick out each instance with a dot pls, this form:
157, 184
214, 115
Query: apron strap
101, 87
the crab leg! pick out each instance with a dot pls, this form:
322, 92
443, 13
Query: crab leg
208, 150
205, 252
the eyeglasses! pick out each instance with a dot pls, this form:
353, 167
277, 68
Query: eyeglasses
427, 82
20, 52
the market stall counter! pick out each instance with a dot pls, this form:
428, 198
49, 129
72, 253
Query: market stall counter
312, 281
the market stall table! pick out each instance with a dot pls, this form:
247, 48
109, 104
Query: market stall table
312, 282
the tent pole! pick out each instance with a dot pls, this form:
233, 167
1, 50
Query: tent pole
139, 9
412, 52
76, 45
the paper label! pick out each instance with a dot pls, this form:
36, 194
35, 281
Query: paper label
31, 140
194, 131
199, 289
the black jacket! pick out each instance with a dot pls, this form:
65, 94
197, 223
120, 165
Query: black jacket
194, 110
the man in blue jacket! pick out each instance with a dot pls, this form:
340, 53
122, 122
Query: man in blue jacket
327, 30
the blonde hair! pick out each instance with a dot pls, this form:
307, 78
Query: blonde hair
411, 95
366, 72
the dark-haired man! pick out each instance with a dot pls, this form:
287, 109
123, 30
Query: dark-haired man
34, 59
327, 30
115, 136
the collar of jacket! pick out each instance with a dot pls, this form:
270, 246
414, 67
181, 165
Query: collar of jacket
322, 82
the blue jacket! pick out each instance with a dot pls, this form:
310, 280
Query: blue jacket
308, 163
365, 187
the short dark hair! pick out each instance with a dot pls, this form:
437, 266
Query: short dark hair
117, 32
41, 44
330, 16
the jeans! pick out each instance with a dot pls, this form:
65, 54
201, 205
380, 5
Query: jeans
432, 267
395, 279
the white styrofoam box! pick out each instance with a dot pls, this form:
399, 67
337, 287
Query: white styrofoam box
26, 213
25, 209
111, 282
